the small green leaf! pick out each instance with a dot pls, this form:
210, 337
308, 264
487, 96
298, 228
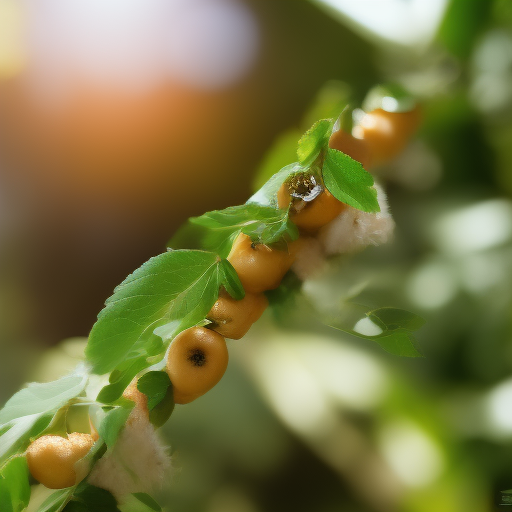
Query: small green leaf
121, 379
347, 181
113, 423
88, 498
14, 485
154, 385
393, 318
314, 141
399, 343
56, 501
148, 501
390, 328
177, 286
163, 410
43, 398
231, 281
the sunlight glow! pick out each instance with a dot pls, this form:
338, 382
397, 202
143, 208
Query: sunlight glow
348, 374
411, 453
432, 285
293, 391
499, 407
476, 227
409, 23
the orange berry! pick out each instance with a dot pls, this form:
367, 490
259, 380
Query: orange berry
258, 266
233, 318
196, 361
51, 459
387, 133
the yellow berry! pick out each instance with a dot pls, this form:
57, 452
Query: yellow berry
51, 459
387, 133
196, 361
258, 266
233, 318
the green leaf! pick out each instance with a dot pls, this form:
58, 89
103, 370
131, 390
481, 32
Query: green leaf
391, 328
347, 181
393, 318
113, 422
14, 485
154, 385
29, 411
159, 415
39, 398
17, 437
314, 141
56, 501
231, 281
88, 498
147, 500
177, 288
121, 378
264, 224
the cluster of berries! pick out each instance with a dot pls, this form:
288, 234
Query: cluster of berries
197, 358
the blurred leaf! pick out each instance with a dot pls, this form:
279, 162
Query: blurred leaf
38, 398
462, 22
393, 318
14, 485
18, 436
29, 411
231, 281
347, 181
154, 385
56, 501
314, 141
177, 287
88, 498
148, 501
396, 327
328, 103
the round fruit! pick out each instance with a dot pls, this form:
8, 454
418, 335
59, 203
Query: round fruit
258, 266
233, 318
196, 361
51, 459
387, 133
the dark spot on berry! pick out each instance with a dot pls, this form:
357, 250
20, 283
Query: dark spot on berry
197, 357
